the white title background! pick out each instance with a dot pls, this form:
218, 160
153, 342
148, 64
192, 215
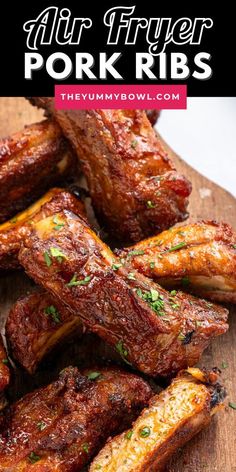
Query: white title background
204, 135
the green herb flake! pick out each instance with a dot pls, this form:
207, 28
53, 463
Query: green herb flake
232, 405
198, 323
136, 252
47, 258
150, 204
85, 447
13, 220
181, 337
145, 432
177, 247
41, 425
173, 293
154, 295
131, 276
53, 312
209, 305
58, 224
98, 467
181, 233
74, 282
152, 265
93, 375
224, 365
234, 246
5, 361
58, 254
33, 458
129, 434
116, 266
175, 306
154, 300
134, 143
185, 281
122, 351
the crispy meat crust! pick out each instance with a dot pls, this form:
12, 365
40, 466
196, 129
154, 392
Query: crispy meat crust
134, 186
35, 325
200, 257
61, 426
14, 231
31, 161
156, 331
4, 369
172, 418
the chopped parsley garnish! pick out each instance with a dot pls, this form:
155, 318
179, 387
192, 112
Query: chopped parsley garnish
47, 258
58, 254
13, 220
93, 375
175, 248
181, 337
134, 143
85, 447
41, 425
122, 351
175, 306
129, 434
116, 266
98, 467
185, 281
234, 246
5, 361
232, 405
145, 432
74, 282
154, 300
172, 300
131, 276
33, 458
150, 204
209, 305
198, 323
224, 365
152, 265
58, 224
136, 252
53, 312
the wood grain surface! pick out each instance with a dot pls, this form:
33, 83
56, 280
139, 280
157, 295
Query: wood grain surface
215, 448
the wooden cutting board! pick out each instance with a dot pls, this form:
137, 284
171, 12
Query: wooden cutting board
215, 448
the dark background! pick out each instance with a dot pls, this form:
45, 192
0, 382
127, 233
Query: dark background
218, 41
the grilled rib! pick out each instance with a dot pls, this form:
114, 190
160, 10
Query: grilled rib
35, 325
172, 418
157, 331
134, 186
61, 426
199, 257
14, 231
31, 161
